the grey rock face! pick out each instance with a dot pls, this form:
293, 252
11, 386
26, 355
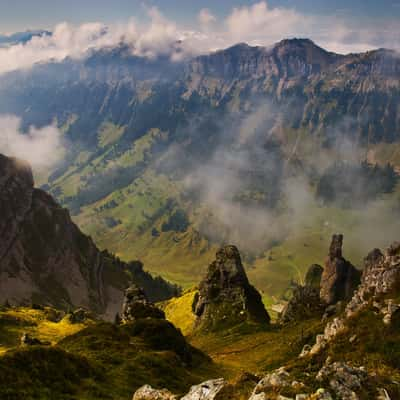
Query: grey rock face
45, 258
275, 382
379, 286
226, 297
344, 379
206, 391
340, 277
380, 282
42, 252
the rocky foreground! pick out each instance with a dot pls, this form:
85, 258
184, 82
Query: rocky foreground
334, 295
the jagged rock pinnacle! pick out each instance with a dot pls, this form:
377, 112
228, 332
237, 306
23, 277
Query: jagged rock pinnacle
340, 278
226, 297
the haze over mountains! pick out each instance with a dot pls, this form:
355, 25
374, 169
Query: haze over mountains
165, 160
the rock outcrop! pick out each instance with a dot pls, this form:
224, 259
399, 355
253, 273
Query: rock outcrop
379, 289
226, 297
305, 301
380, 283
208, 390
46, 259
344, 380
136, 305
339, 278
146, 392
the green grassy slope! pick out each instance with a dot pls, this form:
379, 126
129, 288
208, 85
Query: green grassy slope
127, 218
94, 360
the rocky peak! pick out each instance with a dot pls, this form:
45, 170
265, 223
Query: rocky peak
226, 297
379, 289
340, 277
335, 249
380, 282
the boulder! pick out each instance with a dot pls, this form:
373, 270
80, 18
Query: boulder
339, 278
226, 298
136, 305
208, 390
146, 392
273, 381
344, 379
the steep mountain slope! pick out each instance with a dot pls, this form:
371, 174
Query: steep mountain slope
45, 258
151, 142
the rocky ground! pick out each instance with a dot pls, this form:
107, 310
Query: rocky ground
320, 371
337, 338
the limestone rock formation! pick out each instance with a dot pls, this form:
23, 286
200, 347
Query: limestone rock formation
380, 283
46, 259
280, 380
340, 277
379, 288
208, 390
136, 305
345, 380
305, 301
226, 297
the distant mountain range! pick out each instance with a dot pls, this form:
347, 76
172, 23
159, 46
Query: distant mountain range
167, 160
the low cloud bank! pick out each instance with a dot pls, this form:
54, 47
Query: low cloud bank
43, 148
258, 24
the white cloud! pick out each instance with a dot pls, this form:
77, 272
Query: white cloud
258, 24
263, 24
43, 148
206, 17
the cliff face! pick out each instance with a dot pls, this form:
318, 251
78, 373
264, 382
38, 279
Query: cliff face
45, 258
311, 87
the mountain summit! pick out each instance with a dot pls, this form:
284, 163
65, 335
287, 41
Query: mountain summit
226, 297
